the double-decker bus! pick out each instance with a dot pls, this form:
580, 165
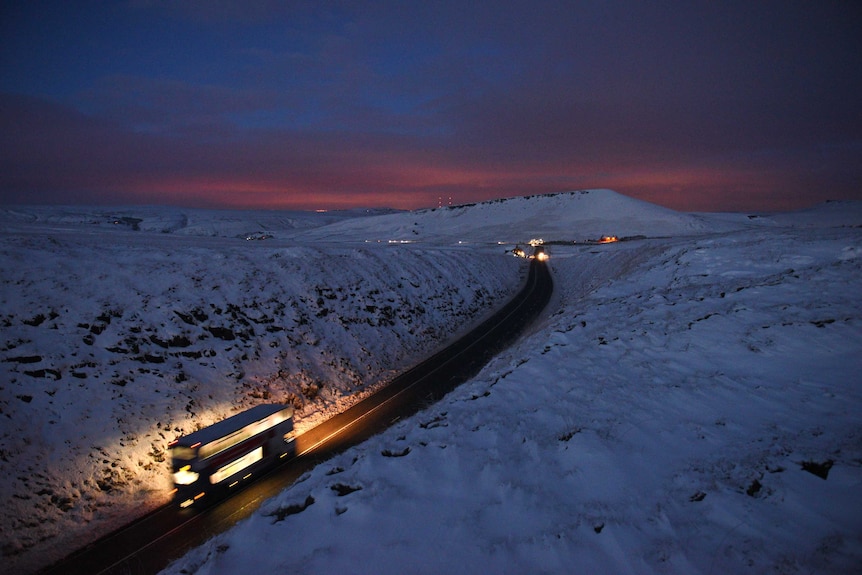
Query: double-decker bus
225, 454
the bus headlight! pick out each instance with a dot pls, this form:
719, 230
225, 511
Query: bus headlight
185, 476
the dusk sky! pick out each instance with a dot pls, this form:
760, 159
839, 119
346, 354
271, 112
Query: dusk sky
697, 106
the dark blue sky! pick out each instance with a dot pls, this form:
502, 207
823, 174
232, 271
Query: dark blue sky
733, 105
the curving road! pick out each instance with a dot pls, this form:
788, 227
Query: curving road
150, 543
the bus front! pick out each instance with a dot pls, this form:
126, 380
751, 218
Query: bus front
188, 484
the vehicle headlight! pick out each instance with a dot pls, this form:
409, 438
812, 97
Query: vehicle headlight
185, 476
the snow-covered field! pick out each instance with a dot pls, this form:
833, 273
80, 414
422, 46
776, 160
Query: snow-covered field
122, 329
691, 402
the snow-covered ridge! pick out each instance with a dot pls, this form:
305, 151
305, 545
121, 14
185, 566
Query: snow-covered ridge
167, 220
567, 216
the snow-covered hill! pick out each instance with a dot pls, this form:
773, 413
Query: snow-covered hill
689, 403
571, 216
190, 222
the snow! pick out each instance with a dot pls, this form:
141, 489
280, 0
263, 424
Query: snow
121, 332
573, 216
689, 402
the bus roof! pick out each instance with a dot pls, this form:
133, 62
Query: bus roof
231, 424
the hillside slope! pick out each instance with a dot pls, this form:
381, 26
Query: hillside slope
116, 341
568, 216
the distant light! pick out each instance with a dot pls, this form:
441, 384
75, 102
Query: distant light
321, 211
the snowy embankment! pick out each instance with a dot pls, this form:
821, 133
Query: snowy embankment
687, 406
122, 330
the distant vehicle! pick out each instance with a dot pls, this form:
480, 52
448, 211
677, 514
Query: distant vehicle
540, 254
215, 459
